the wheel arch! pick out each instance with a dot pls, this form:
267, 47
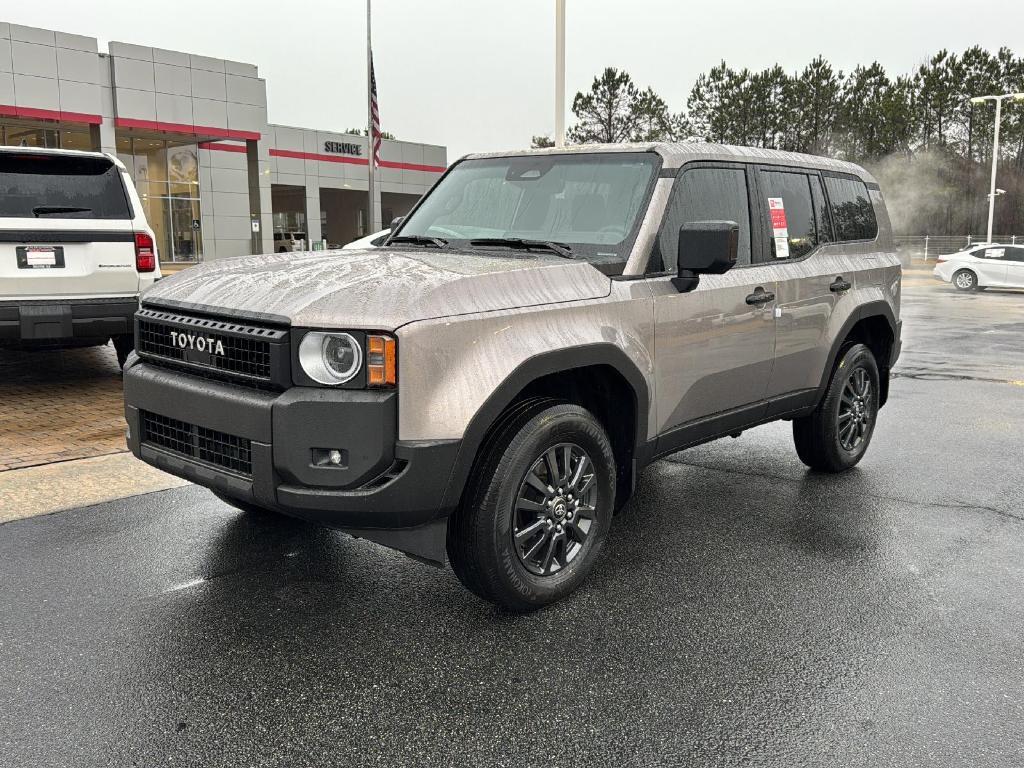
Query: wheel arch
875, 325
595, 376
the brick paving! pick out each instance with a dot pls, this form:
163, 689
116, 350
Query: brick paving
59, 405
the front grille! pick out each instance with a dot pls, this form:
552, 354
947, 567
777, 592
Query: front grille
220, 449
220, 348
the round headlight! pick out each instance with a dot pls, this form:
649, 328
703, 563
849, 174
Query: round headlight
330, 358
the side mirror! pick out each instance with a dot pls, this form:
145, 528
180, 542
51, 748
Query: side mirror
395, 222
705, 247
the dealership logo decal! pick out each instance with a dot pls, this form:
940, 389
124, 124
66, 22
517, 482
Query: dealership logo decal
198, 343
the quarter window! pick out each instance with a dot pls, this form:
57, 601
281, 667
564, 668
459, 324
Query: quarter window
851, 209
706, 194
792, 221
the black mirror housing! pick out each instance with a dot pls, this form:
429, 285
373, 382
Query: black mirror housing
705, 247
395, 222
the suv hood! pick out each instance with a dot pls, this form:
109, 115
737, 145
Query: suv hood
378, 289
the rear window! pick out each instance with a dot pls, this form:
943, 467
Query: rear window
60, 187
852, 211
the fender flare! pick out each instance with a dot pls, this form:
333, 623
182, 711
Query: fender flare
531, 369
865, 311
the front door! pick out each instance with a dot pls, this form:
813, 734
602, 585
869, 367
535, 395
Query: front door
991, 264
1014, 266
713, 345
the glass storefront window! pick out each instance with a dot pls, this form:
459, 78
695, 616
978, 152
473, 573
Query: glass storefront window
18, 136
167, 177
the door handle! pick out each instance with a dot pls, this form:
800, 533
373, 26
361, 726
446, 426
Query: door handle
839, 285
760, 296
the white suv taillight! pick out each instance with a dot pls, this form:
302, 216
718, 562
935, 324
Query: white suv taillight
145, 255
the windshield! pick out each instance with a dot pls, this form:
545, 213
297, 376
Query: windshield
590, 203
60, 187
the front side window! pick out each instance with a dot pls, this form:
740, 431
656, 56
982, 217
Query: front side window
60, 186
851, 209
793, 227
590, 203
706, 194
1015, 253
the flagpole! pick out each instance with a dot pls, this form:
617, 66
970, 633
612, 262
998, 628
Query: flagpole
371, 202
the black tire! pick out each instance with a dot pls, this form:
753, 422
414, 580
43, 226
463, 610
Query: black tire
123, 346
481, 547
247, 506
837, 434
965, 280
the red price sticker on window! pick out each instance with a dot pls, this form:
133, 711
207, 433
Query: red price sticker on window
780, 230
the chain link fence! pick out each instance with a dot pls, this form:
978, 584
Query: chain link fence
931, 246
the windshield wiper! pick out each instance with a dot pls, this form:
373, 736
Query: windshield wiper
41, 210
561, 249
437, 242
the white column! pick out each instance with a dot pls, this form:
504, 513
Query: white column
559, 73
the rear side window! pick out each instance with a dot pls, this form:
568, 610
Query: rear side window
852, 211
792, 218
707, 194
60, 186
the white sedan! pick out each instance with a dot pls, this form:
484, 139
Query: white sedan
983, 266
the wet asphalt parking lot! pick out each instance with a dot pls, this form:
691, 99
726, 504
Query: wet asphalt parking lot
745, 612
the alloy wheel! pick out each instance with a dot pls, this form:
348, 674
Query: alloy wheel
855, 409
555, 509
964, 280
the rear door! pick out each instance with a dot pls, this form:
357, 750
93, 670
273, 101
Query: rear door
66, 227
813, 280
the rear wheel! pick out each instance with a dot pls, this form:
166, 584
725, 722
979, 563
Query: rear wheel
965, 280
537, 511
836, 435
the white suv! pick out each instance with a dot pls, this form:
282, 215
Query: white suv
75, 250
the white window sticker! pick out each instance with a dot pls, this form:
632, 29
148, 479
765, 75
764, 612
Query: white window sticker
780, 229
995, 253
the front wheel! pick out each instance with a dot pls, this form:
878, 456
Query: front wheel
536, 513
836, 435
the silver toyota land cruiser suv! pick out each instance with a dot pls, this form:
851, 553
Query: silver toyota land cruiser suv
486, 388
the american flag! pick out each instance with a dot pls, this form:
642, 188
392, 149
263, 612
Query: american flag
374, 117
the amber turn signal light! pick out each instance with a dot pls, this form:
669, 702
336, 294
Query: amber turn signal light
381, 362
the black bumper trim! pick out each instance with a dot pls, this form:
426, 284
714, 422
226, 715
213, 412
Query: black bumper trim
51, 321
394, 485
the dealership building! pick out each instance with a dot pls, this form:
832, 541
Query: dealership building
216, 179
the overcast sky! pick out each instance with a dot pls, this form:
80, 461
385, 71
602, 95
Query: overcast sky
477, 74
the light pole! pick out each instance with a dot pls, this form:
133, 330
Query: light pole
992, 192
559, 73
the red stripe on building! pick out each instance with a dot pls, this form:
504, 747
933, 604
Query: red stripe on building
219, 147
295, 155
30, 113
192, 130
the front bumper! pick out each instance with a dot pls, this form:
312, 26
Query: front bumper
386, 490
42, 322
